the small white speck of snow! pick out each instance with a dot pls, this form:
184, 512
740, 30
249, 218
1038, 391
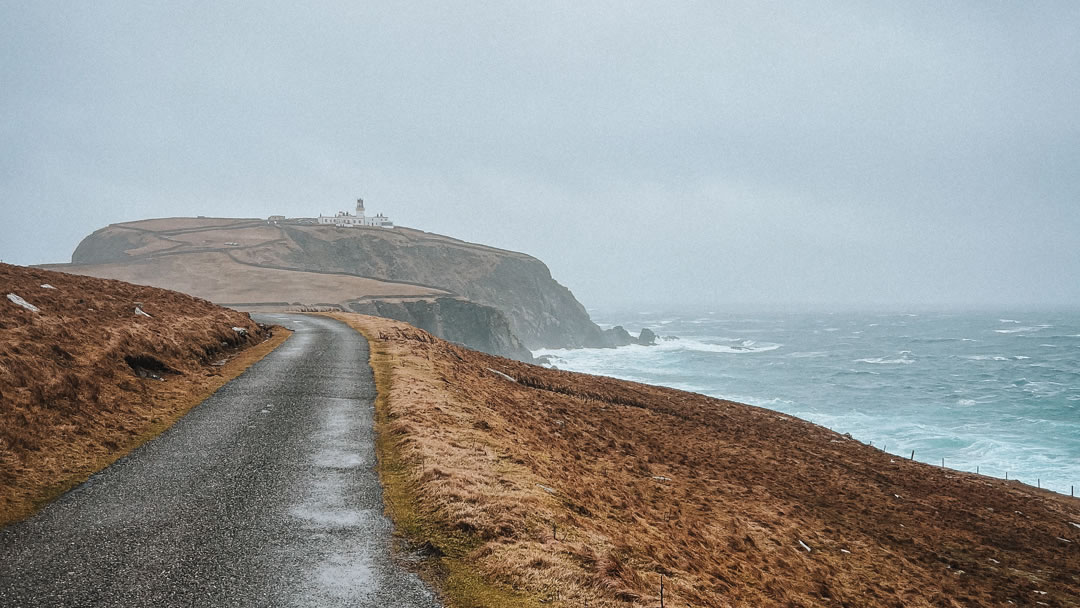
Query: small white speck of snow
240, 330
141, 312
844, 551
21, 302
547, 489
1074, 524
804, 546
661, 478
47, 286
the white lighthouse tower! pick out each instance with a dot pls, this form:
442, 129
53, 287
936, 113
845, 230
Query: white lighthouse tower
346, 219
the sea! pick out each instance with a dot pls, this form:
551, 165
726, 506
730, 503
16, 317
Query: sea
997, 394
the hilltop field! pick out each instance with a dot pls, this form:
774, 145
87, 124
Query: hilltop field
525, 486
91, 368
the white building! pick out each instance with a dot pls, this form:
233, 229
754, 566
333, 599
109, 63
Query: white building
344, 218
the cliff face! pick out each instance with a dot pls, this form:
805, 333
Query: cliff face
539, 311
477, 326
543, 313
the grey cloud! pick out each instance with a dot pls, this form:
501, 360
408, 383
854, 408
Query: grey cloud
744, 153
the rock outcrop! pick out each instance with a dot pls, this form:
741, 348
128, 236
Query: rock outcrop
474, 325
618, 336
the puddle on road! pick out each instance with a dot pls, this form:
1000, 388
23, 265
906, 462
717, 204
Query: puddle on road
338, 459
332, 518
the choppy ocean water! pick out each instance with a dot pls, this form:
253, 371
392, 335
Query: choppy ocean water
997, 393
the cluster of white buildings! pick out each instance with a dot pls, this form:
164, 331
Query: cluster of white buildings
344, 218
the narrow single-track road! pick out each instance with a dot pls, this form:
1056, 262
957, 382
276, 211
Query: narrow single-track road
264, 495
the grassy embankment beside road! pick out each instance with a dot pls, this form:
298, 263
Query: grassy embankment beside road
100, 368
528, 486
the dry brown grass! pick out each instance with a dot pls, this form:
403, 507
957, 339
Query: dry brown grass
76, 379
217, 277
641, 481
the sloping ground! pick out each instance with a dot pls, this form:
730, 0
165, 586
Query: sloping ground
219, 278
541, 312
544, 486
97, 368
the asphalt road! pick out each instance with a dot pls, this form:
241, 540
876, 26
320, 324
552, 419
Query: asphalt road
264, 495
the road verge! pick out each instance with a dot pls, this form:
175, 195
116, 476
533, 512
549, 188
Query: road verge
448, 563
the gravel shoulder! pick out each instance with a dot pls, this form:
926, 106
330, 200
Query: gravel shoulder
265, 494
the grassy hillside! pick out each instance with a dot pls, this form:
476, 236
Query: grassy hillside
529, 486
99, 367
216, 276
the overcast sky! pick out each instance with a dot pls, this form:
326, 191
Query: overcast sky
656, 153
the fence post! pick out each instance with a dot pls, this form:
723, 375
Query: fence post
661, 591
912, 455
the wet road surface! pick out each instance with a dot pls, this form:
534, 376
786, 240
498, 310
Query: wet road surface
264, 495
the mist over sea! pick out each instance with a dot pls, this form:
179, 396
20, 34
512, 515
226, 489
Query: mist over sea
997, 392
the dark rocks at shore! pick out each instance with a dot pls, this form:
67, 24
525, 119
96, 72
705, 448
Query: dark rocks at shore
618, 336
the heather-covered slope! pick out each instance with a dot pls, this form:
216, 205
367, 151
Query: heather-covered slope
97, 367
540, 311
531, 486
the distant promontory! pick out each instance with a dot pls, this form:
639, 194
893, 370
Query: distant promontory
494, 300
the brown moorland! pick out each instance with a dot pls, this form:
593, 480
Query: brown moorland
529, 486
218, 277
88, 377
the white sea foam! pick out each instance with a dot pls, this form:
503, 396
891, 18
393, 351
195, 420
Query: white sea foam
816, 354
1008, 321
902, 360
966, 402
1018, 330
736, 346
771, 403
740, 347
